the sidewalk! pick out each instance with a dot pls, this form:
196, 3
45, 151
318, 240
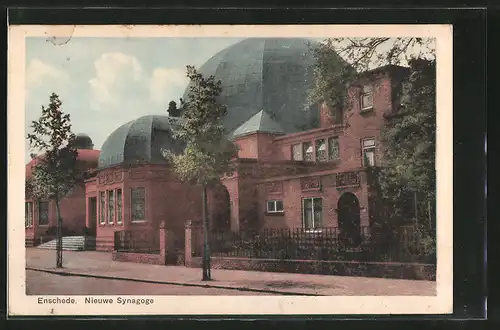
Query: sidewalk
101, 265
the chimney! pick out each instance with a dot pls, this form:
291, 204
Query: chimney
325, 116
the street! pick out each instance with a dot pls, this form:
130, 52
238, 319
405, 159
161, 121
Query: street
103, 275
40, 283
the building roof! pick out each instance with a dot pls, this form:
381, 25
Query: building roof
261, 122
89, 156
265, 73
143, 140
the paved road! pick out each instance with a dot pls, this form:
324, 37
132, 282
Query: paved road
40, 283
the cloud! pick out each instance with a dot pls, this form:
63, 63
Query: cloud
39, 73
117, 74
167, 84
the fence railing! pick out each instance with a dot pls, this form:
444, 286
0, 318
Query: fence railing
323, 244
138, 242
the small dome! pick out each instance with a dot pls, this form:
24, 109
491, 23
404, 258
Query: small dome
143, 140
83, 141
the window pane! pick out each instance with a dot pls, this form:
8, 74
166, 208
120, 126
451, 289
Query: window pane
119, 205
321, 150
333, 148
369, 158
308, 151
43, 213
30, 214
367, 101
279, 206
318, 215
318, 202
138, 201
308, 214
296, 152
270, 206
102, 207
369, 143
26, 214
111, 206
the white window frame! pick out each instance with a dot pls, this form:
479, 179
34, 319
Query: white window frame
328, 155
325, 145
119, 220
275, 203
313, 229
102, 206
132, 205
110, 219
312, 146
39, 213
30, 215
371, 148
301, 152
363, 94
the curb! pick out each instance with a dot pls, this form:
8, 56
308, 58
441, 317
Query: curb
215, 286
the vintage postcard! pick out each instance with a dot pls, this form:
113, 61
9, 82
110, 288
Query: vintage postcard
230, 170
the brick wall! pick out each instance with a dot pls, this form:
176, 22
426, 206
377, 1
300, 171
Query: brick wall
425, 272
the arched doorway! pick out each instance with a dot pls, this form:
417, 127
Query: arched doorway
221, 209
349, 220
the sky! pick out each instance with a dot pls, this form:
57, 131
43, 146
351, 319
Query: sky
105, 82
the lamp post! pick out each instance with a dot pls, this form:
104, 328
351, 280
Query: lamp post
206, 276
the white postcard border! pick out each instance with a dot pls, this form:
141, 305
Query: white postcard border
19, 304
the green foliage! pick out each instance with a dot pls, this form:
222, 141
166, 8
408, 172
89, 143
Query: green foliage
56, 171
338, 60
209, 153
409, 141
331, 76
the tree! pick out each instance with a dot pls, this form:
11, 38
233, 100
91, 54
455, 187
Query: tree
338, 60
56, 170
406, 178
172, 110
408, 175
208, 154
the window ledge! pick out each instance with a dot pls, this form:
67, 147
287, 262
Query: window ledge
274, 214
312, 231
367, 109
138, 221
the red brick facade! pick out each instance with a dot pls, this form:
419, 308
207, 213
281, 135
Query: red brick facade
266, 171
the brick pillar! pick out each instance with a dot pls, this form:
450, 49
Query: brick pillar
163, 243
188, 241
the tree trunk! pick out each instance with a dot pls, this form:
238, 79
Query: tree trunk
206, 251
59, 256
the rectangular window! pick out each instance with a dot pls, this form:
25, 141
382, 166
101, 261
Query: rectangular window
118, 205
368, 146
367, 97
312, 213
333, 148
28, 210
274, 206
307, 151
321, 150
297, 152
138, 203
43, 213
102, 207
111, 206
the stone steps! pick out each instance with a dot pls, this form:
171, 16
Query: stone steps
71, 243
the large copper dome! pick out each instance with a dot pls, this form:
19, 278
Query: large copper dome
271, 74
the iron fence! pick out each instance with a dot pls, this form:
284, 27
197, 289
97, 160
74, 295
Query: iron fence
401, 245
137, 241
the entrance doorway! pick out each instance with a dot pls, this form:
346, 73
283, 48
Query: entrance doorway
349, 220
92, 216
222, 209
